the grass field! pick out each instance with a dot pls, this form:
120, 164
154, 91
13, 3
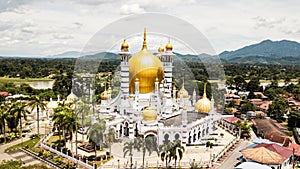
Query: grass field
30, 144
26, 80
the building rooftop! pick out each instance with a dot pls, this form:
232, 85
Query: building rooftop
177, 120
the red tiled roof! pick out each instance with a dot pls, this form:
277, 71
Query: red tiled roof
4, 94
231, 119
284, 152
265, 105
258, 93
296, 147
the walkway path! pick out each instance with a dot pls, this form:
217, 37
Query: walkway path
231, 160
6, 156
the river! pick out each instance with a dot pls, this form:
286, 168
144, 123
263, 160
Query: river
41, 84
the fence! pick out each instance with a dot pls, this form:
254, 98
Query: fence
37, 157
81, 163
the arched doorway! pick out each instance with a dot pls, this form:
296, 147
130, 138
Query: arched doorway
126, 129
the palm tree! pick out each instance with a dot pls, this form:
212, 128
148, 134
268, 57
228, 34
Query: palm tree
171, 150
3, 115
20, 111
144, 144
70, 124
96, 133
38, 103
59, 117
165, 152
128, 149
177, 151
110, 138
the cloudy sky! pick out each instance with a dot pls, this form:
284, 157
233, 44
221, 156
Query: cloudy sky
38, 28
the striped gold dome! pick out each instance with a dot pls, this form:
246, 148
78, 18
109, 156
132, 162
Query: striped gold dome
146, 67
203, 104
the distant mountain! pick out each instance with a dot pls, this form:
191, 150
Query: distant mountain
69, 54
267, 51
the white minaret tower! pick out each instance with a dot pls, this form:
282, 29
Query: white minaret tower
194, 97
125, 56
156, 83
136, 87
174, 93
167, 59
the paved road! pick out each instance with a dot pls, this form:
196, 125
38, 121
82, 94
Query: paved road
5, 156
232, 158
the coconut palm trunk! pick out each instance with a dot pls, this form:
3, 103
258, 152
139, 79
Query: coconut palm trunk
38, 120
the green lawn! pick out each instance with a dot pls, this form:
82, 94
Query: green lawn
53, 139
19, 80
30, 144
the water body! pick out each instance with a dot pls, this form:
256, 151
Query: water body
41, 84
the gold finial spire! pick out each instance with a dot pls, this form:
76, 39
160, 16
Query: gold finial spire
204, 92
169, 47
145, 42
183, 83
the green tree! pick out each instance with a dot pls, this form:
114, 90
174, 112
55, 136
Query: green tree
171, 150
128, 149
70, 124
145, 144
278, 108
58, 118
39, 104
110, 138
20, 111
177, 151
240, 83
253, 85
294, 119
96, 134
3, 116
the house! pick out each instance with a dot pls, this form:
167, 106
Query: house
270, 155
4, 94
271, 130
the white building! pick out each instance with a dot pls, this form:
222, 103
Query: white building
149, 105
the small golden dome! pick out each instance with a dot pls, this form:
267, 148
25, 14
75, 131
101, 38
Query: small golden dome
146, 67
131, 96
124, 46
161, 49
169, 47
149, 114
183, 92
104, 95
71, 97
203, 105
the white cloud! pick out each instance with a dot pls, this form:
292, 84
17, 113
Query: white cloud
40, 27
131, 9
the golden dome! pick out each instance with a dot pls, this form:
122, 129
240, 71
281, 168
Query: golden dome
161, 49
104, 95
131, 96
71, 97
146, 67
149, 114
124, 46
169, 46
203, 105
182, 92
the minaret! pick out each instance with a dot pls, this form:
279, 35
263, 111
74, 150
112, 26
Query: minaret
137, 87
125, 56
167, 59
184, 122
156, 83
174, 92
194, 97
212, 102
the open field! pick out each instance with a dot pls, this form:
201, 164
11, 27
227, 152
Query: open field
26, 80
